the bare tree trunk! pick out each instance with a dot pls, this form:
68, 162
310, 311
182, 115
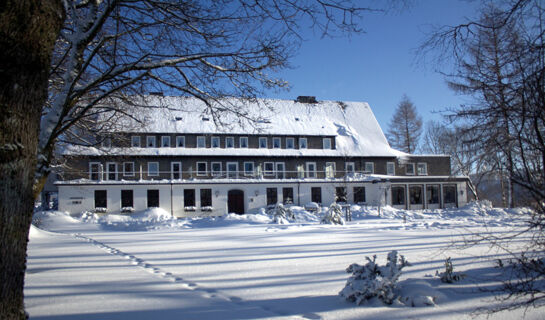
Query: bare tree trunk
28, 30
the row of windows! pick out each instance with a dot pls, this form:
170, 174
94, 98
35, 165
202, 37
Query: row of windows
229, 142
416, 196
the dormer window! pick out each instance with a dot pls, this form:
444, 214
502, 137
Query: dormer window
165, 141
290, 143
201, 142
135, 141
422, 169
390, 168
409, 169
302, 143
150, 141
327, 143
277, 144
243, 142
229, 142
215, 142
262, 142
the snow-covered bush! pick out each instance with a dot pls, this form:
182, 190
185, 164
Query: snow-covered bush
282, 215
371, 280
449, 276
101, 210
334, 215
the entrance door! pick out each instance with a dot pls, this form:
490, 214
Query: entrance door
235, 201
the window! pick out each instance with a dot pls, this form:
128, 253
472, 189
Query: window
272, 196
153, 169
409, 169
189, 198
150, 141
107, 142
128, 169
126, 199
330, 169
287, 195
95, 171
369, 167
390, 168
277, 143
311, 169
201, 142
243, 142
326, 142
180, 141
280, 170
316, 194
202, 169
349, 167
359, 194
232, 169
215, 169
206, 198
229, 142
300, 171
290, 143
175, 170
249, 168
262, 142
340, 194
302, 143
415, 194
135, 141
101, 197
398, 195
432, 194
153, 198
111, 171
165, 141
268, 168
215, 142
422, 169
449, 194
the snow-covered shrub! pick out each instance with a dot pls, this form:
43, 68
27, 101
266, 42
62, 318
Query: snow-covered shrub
127, 210
312, 207
334, 215
449, 276
101, 210
371, 280
282, 215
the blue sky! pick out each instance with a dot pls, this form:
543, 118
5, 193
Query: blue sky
379, 66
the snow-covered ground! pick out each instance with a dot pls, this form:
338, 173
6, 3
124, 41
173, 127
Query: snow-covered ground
148, 265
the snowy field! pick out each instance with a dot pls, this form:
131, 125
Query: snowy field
149, 266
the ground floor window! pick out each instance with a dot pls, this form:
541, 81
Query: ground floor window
340, 194
398, 195
415, 194
316, 194
101, 199
359, 194
153, 198
287, 195
126, 199
432, 194
449, 194
206, 198
189, 198
272, 196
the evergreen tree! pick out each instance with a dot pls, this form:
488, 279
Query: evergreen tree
405, 127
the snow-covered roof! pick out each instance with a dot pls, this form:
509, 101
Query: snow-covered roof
356, 130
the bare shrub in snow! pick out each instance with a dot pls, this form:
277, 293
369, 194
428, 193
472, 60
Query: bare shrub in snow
449, 276
371, 280
334, 215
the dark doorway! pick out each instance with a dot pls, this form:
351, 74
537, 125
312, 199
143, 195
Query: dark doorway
235, 201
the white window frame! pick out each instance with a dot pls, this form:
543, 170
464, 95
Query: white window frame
179, 170
410, 165
215, 173
215, 142
391, 165
279, 140
135, 142
240, 142
249, 172
303, 145
229, 173
328, 172
178, 139
326, 144
152, 140
232, 139
283, 171
369, 167
131, 173
259, 143
200, 173
347, 166
99, 171
108, 171
290, 143
422, 165
165, 139
155, 174
268, 172
311, 173
199, 140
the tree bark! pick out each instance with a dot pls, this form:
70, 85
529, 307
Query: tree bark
28, 30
